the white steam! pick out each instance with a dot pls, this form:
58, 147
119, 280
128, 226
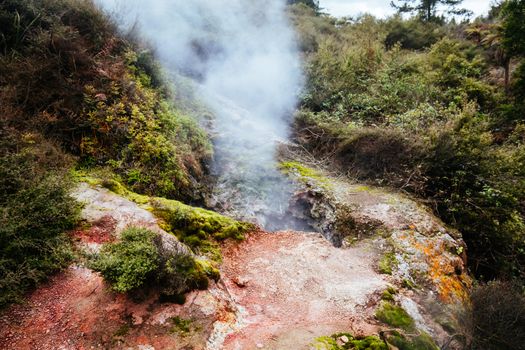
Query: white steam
243, 55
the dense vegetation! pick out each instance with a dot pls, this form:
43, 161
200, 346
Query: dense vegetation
75, 92
67, 73
35, 211
423, 106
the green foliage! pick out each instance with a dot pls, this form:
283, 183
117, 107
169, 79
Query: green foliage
427, 10
359, 343
394, 316
128, 263
158, 149
139, 258
411, 34
313, 4
35, 212
513, 28
104, 98
429, 122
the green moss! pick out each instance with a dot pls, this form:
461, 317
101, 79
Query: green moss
394, 316
388, 294
387, 263
180, 325
409, 284
421, 342
306, 175
123, 330
355, 343
199, 228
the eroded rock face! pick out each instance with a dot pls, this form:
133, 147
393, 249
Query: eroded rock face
421, 256
102, 205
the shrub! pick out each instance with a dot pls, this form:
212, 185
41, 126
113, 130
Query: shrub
35, 212
419, 342
140, 257
128, 263
496, 317
411, 34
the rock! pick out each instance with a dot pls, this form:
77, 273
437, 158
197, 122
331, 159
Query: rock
241, 282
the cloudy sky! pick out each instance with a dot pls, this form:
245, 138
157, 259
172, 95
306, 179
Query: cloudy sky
381, 8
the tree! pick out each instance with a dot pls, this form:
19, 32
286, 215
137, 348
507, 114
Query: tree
513, 40
427, 10
490, 36
513, 27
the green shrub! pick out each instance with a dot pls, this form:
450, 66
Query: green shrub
420, 342
35, 212
104, 102
139, 258
411, 34
127, 264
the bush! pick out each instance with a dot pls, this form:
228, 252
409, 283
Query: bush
127, 264
411, 34
140, 259
496, 317
35, 212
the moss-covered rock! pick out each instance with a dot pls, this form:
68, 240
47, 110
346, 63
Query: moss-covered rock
423, 341
306, 175
341, 341
394, 316
199, 228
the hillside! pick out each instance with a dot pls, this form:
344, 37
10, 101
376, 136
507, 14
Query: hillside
178, 176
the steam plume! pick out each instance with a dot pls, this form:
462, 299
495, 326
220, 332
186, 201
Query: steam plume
242, 53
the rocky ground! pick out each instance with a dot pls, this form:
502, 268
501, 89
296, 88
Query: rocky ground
277, 291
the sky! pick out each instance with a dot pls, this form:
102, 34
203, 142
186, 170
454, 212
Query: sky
381, 8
